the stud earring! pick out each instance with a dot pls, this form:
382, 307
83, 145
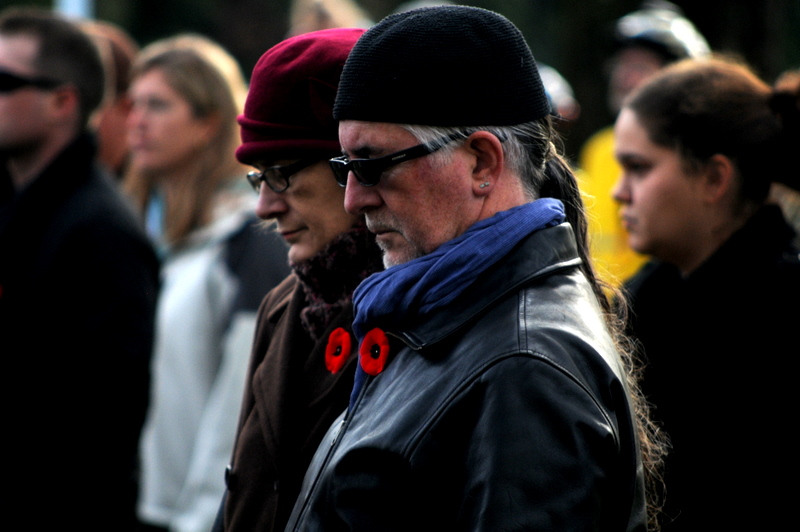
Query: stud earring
484, 185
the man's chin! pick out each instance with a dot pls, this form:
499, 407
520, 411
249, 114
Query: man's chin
396, 255
390, 258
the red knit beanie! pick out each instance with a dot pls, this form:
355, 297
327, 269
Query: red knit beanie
289, 107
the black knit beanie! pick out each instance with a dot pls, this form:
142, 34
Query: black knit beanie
442, 66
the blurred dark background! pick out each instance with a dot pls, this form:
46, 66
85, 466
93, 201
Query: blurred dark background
574, 36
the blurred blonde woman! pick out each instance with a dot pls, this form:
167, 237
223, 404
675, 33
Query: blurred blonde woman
186, 92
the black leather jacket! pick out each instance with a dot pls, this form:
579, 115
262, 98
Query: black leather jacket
506, 410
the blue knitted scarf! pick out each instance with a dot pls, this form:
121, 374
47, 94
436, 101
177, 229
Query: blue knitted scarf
420, 286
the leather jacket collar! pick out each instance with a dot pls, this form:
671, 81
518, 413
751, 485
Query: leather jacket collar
541, 253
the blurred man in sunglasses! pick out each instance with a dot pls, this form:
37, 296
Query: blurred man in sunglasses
490, 394
78, 282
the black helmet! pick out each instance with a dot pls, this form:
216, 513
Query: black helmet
661, 26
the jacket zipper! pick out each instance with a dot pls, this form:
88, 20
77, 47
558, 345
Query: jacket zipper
338, 433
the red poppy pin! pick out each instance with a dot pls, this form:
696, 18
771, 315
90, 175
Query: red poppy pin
338, 349
374, 351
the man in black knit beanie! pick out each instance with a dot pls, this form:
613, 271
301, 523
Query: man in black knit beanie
490, 392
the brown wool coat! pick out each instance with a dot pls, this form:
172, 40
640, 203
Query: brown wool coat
290, 401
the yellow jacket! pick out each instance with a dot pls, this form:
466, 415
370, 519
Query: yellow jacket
614, 259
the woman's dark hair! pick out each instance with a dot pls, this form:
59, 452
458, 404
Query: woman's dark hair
715, 106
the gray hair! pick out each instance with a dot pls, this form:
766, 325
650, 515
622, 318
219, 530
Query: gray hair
527, 148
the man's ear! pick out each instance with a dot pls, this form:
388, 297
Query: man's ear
489, 160
719, 176
65, 102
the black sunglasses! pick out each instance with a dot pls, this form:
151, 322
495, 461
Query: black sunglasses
10, 82
368, 171
277, 177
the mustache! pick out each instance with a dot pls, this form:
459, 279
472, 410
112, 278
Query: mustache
379, 224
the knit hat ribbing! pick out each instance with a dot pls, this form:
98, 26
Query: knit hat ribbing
442, 66
289, 107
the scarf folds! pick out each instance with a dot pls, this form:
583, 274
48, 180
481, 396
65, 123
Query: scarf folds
330, 277
416, 288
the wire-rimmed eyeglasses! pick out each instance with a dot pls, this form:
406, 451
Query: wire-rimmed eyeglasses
277, 178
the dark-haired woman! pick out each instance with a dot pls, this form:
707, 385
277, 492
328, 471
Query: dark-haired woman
718, 307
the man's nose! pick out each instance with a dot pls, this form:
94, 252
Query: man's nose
359, 199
